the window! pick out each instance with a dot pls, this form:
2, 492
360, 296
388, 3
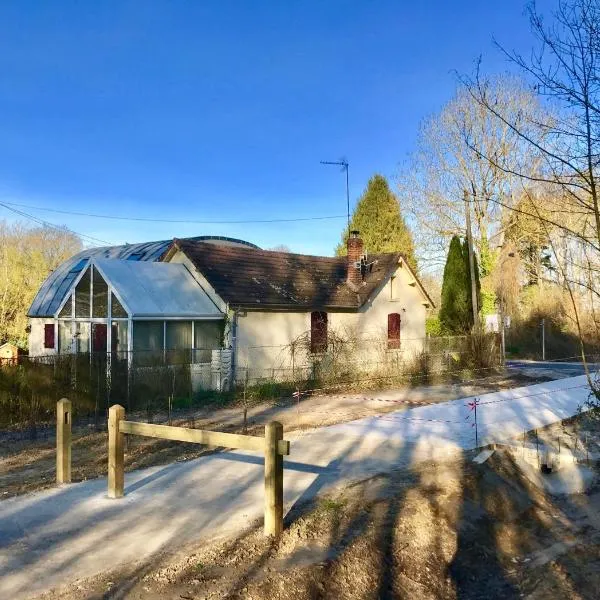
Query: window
179, 341
318, 332
49, 335
100, 299
119, 338
117, 308
66, 312
82, 337
394, 288
148, 341
82, 296
65, 337
393, 331
207, 337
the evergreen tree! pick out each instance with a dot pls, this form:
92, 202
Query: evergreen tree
456, 311
377, 216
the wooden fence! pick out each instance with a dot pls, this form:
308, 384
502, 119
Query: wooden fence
63, 441
272, 445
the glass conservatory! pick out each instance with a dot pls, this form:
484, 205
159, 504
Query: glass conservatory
144, 312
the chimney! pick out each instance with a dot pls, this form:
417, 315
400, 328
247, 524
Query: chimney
355, 251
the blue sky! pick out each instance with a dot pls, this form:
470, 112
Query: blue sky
223, 110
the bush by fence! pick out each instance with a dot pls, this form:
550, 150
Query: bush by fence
29, 390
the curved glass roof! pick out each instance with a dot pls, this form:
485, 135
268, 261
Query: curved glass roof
59, 282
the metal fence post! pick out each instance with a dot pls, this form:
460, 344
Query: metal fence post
116, 452
273, 479
63, 441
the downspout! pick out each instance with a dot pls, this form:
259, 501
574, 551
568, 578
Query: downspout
233, 334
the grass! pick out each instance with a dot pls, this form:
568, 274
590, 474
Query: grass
329, 505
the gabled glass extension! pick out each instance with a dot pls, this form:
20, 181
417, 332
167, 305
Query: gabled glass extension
146, 313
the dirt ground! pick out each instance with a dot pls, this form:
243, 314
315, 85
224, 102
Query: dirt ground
452, 531
27, 465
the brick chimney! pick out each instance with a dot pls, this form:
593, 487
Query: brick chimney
355, 251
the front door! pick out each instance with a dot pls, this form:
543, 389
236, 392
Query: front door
99, 338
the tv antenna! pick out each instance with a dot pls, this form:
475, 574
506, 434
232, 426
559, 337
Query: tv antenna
344, 164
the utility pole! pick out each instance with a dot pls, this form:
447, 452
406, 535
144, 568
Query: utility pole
471, 261
543, 339
344, 164
502, 324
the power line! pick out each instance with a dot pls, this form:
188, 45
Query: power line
52, 226
153, 220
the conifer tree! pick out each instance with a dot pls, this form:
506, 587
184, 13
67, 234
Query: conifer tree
377, 216
456, 311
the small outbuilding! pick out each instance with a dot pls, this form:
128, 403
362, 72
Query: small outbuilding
9, 353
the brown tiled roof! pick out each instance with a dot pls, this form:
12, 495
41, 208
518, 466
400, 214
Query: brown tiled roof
249, 277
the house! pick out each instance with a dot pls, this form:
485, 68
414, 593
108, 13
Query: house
226, 302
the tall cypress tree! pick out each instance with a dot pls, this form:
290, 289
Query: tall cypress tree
456, 311
377, 216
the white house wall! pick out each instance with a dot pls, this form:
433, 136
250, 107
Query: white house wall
36, 337
264, 338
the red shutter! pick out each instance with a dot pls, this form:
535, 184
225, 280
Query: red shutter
49, 335
318, 331
393, 330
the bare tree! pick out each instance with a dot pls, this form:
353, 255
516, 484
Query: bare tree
564, 71
445, 165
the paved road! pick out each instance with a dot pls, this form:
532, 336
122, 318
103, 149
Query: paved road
60, 535
548, 368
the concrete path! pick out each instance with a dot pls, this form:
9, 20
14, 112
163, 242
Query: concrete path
60, 535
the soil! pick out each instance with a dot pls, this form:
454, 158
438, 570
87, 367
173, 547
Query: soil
457, 530
27, 465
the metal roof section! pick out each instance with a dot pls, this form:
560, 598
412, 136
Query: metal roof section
156, 289
57, 285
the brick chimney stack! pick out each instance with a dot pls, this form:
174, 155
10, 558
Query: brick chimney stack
355, 251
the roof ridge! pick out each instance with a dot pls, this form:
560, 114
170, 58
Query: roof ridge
281, 253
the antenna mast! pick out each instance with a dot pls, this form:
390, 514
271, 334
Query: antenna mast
344, 164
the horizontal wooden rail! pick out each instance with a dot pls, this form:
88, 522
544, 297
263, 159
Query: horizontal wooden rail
273, 446
199, 436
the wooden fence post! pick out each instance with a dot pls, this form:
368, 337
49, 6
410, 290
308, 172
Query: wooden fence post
63, 441
116, 452
273, 479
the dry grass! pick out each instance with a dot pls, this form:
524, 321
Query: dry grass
457, 531
27, 466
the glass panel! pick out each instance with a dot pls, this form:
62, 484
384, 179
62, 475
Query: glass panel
100, 300
179, 341
119, 338
148, 341
67, 309
82, 337
65, 338
117, 308
207, 337
82, 296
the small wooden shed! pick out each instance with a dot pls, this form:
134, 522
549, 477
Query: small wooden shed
9, 353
